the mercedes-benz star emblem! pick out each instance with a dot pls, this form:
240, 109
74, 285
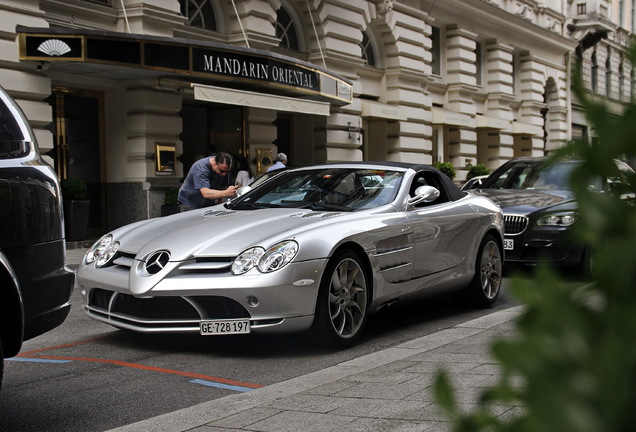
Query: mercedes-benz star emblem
157, 261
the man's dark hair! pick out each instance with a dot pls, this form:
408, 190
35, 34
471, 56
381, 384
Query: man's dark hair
223, 158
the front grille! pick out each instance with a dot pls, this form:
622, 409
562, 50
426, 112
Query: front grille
157, 311
514, 224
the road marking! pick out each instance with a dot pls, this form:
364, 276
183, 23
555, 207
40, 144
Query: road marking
36, 360
220, 381
82, 342
223, 386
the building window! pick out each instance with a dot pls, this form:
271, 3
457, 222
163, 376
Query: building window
608, 74
581, 8
436, 51
200, 13
594, 73
286, 30
478, 64
368, 53
621, 78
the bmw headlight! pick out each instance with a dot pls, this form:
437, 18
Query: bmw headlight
557, 219
102, 251
272, 259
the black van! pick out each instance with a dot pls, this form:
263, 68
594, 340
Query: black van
35, 285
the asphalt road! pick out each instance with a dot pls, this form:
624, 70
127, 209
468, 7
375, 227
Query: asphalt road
88, 376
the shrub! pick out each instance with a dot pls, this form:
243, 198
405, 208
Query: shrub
572, 365
73, 189
477, 170
171, 197
447, 168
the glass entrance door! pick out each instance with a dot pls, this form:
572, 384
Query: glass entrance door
78, 148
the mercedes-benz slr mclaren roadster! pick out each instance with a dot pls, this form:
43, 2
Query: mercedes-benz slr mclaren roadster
316, 248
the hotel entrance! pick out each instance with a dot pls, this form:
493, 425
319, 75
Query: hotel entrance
77, 148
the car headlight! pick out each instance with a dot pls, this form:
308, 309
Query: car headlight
102, 251
247, 260
557, 219
272, 259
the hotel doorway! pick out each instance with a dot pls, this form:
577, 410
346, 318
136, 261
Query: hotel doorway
78, 146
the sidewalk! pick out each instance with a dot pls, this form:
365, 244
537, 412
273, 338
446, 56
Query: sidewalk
389, 390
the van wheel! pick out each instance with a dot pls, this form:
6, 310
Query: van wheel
343, 299
1, 363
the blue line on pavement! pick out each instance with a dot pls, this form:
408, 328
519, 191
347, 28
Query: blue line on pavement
36, 360
219, 385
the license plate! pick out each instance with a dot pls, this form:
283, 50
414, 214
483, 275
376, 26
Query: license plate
509, 244
225, 327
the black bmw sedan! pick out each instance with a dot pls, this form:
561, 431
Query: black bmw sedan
540, 209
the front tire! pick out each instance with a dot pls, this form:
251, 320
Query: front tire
343, 300
486, 284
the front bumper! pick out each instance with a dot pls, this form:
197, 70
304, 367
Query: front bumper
282, 301
551, 246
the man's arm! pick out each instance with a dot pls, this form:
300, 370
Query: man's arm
216, 194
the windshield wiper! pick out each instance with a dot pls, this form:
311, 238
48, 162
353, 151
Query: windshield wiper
317, 205
252, 206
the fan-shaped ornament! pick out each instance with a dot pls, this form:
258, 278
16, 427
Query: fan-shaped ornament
54, 47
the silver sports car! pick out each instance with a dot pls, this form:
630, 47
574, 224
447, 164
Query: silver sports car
314, 248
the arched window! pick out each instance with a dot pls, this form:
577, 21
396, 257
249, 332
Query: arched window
594, 77
200, 13
368, 52
286, 30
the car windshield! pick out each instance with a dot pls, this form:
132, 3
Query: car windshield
340, 189
533, 175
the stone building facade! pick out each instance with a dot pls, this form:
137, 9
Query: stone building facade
460, 81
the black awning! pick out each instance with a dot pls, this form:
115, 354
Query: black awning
116, 55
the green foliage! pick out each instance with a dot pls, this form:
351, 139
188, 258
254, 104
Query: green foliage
171, 197
447, 168
477, 170
572, 365
73, 189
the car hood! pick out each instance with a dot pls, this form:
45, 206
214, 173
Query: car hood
526, 201
218, 231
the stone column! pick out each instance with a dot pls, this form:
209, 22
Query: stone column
532, 87
497, 144
151, 117
460, 75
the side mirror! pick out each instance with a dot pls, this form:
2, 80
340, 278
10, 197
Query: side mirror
424, 194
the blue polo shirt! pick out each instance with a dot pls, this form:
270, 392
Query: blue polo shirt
201, 175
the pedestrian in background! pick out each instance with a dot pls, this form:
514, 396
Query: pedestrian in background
207, 182
245, 176
281, 162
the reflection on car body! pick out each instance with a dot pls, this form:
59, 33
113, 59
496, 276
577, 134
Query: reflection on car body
314, 248
36, 286
540, 209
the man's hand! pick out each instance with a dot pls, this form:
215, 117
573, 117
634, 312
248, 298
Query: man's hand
230, 191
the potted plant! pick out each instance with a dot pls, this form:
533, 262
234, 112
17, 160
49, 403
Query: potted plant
477, 170
447, 168
170, 202
76, 208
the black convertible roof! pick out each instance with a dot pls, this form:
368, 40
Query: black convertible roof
453, 191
